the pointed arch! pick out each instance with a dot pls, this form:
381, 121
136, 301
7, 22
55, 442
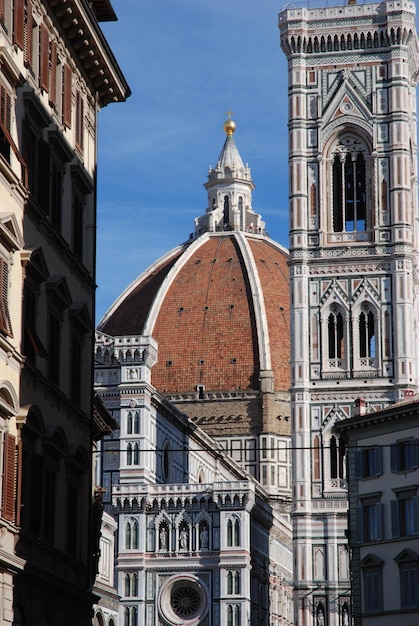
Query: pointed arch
348, 211
131, 534
129, 454
335, 334
233, 531
136, 423
333, 461
367, 336
136, 454
370, 336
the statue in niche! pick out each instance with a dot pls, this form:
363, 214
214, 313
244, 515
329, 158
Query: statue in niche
163, 537
320, 616
203, 536
183, 539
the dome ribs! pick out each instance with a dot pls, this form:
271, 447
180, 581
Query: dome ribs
210, 342
197, 303
274, 278
131, 314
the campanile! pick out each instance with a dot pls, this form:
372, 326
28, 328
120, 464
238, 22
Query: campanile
352, 74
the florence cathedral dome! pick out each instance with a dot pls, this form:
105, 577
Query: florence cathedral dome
218, 308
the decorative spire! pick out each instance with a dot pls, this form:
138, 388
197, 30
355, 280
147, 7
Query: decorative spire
229, 189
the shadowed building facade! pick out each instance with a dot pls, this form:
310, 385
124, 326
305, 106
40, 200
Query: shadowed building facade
56, 72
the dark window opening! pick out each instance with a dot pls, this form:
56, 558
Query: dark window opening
366, 335
55, 195
226, 211
335, 333
77, 226
349, 192
54, 347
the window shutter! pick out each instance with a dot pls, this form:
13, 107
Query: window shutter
395, 523
360, 524
29, 37
378, 456
9, 480
53, 81
415, 501
358, 464
79, 120
19, 23
5, 108
5, 323
415, 453
19, 459
379, 535
67, 96
394, 457
44, 58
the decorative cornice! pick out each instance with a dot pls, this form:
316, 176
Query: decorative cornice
79, 24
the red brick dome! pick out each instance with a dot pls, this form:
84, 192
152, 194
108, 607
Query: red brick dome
218, 306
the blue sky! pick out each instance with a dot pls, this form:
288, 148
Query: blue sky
187, 62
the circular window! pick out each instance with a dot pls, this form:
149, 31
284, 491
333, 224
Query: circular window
185, 601
183, 598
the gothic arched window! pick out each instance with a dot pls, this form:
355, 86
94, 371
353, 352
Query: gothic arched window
349, 193
233, 532
342, 458
134, 585
134, 535
131, 535
128, 535
335, 335
129, 423
230, 583
349, 185
226, 211
229, 615
237, 582
386, 334
366, 334
129, 454
333, 458
337, 457
136, 460
241, 214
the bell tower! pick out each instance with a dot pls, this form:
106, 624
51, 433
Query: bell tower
352, 74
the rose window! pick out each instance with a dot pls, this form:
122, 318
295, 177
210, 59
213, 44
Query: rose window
185, 601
